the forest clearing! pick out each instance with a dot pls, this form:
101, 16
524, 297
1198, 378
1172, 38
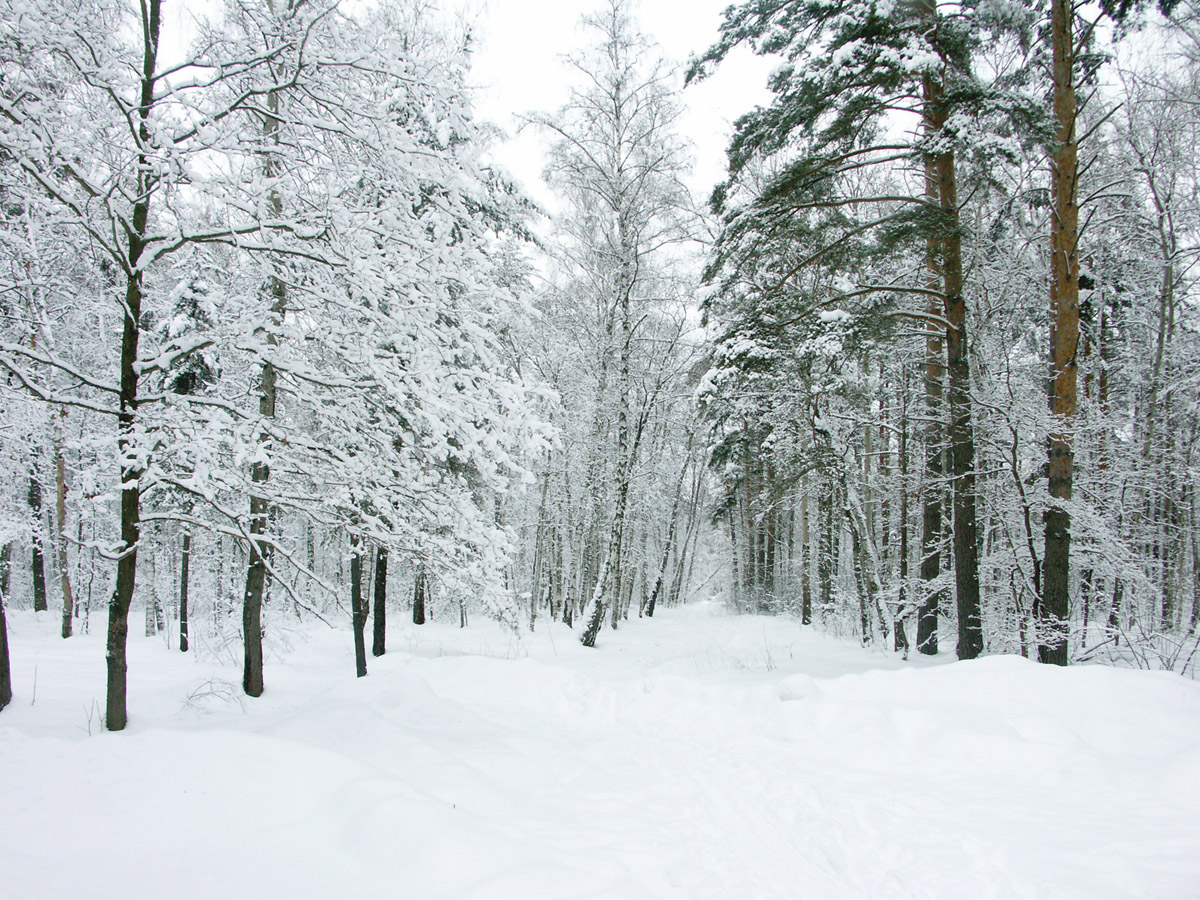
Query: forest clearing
702, 756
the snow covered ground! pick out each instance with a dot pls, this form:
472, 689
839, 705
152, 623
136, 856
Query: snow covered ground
695, 755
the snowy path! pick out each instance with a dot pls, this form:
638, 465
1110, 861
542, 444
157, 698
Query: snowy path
694, 756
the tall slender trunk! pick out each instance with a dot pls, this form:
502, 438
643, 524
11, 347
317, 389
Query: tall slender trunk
185, 560
933, 374
358, 606
901, 636
260, 471
805, 579
116, 715
5, 667
1064, 340
672, 527
379, 623
940, 175
962, 434
60, 515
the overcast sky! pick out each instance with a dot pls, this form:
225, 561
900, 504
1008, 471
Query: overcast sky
518, 68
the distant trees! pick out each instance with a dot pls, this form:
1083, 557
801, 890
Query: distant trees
618, 305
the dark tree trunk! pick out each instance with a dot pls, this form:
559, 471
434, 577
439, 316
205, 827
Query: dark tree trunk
826, 552
5, 568
116, 716
358, 606
901, 635
419, 597
805, 579
379, 638
252, 597
962, 438
5, 668
260, 472
36, 539
185, 558
1064, 340
60, 518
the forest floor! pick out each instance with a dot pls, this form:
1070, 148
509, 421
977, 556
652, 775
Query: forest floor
694, 755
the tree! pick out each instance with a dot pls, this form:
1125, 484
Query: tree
157, 119
848, 67
1066, 39
618, 163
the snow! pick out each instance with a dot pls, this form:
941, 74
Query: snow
695, 755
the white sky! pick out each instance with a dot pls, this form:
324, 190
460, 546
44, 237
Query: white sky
518, 68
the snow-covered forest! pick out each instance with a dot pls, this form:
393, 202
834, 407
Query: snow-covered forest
298, 383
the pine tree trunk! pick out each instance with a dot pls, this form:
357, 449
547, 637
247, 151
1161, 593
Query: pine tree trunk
826, 564
934, 367
805, 579
962, 436
358, 606
901, 640
379, 637
185, 558
1064, 339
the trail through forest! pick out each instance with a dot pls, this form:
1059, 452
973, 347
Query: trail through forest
695, 755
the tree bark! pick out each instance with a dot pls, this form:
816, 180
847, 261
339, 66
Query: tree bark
64, 571
419, 592
5, 567
1064, 340
5, 667
185, 557
35, 539
962, 438
805, 580
379, 623
358, 606
260, 472
116, 715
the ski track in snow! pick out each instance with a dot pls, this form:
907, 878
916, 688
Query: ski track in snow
695, 755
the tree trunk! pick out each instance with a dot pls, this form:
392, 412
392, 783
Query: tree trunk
901, 639
5, 567
669, 538
826, 564
419, 597
1064, 339
805, 580
5, 668
379, 638
358, 606
185, 558
35, 535
962, 437
260, 472
116, 716
64, 571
